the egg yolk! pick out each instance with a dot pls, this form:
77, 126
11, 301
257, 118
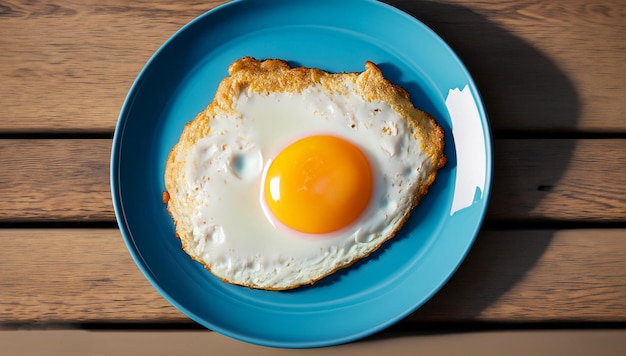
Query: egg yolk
319, 184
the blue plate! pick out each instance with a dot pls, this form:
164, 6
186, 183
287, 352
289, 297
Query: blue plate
181, 79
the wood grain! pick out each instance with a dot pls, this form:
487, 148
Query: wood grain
68, 65
51, 180
74, 275
568, 180
78, 275
557, 66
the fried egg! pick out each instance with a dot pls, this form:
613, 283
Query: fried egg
291, 174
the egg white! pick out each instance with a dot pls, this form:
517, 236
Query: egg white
236, 236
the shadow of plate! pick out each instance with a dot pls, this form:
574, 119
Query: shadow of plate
503, 65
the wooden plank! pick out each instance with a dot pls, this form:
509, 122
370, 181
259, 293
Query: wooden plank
539, 65
536, 276
87, 275
199, 343
575, 180
73, 276
52, 180
68, 65
571, 180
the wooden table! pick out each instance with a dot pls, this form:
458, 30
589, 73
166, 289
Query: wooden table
551, 253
